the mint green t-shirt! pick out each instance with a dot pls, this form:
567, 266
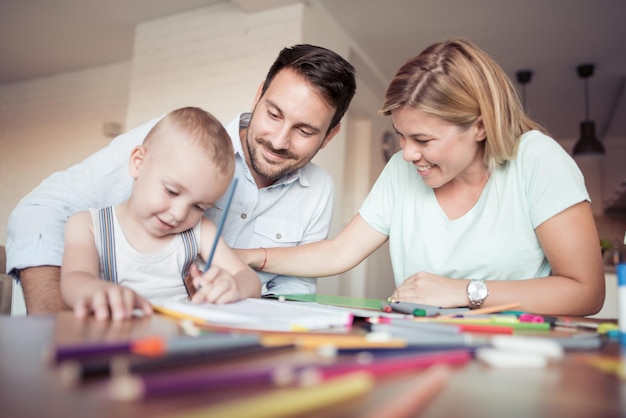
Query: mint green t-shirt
496, 238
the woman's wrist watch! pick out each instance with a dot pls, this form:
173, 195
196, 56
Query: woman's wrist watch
477, 292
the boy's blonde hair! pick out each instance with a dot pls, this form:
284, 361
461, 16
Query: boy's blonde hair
458, 82
203, 129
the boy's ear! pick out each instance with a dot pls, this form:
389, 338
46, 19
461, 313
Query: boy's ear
137, 157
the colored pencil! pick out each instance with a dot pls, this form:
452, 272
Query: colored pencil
78, 371
392, 365
129, 387
289, 402
133, 387
220, 225
162, 346
414, 338
415, 325
419, 393
490, 309
414, 308
468, 323
57, 354
149, 346
457, 325
339, 341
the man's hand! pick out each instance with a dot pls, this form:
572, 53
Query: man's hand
42, 290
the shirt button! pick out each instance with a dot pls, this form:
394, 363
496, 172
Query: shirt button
278, 236
244, 216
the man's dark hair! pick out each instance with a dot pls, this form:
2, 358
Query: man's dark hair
332, 75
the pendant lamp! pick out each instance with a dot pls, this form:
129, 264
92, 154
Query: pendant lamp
588, 144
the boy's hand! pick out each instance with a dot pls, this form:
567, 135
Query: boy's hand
114, 301
216, 285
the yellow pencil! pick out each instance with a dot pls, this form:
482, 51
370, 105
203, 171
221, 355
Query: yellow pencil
313, 341
289, 402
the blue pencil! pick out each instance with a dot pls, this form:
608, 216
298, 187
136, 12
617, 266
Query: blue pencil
220, 225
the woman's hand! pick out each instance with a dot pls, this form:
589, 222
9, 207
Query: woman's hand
255, 257
431, 289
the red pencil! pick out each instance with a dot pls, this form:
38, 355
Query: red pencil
486, 328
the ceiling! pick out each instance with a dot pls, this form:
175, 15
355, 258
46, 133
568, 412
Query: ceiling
549, 37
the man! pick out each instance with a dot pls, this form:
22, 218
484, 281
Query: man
282, 199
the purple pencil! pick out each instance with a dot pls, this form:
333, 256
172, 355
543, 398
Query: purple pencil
52, 355
128, 387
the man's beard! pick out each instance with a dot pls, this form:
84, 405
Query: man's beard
264, 169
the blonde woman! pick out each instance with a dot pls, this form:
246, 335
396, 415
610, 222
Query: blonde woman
481, 207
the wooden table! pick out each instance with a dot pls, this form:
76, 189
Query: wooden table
30, 388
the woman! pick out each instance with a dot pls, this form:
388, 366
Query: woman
481, 207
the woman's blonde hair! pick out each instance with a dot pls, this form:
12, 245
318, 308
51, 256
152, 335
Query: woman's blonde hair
458, 82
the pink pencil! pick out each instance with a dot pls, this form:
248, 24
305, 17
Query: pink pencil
388, 365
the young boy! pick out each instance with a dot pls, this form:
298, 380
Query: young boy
118, 258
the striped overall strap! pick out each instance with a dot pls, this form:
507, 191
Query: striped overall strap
107, 245
191, 251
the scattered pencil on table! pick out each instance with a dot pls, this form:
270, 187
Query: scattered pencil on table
148, 346
391, 365
129, 387
291, 401
490, 309
57, 354
76, 372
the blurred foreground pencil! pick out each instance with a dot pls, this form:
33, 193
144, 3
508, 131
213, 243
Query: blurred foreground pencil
289, 402
392, 365
130, 387
57, 354
420, 391
148, 346
75, 372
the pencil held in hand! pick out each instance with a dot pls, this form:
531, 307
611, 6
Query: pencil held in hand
220, 225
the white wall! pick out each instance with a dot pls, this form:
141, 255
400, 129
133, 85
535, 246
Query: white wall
51, 123
214, 58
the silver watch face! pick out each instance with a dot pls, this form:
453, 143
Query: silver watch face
477, 290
